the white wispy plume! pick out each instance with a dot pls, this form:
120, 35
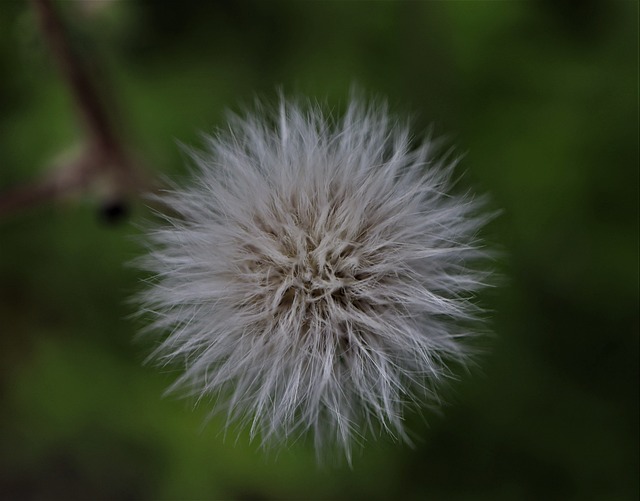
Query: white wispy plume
319, 273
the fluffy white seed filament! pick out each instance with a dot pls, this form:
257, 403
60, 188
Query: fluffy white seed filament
319, 276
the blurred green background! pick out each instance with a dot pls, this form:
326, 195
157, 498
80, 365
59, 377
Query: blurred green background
543, 100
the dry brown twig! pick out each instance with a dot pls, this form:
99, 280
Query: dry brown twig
104, 159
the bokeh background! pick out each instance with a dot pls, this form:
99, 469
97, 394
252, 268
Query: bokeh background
542, 98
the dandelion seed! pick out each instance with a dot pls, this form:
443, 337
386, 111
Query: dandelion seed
319, 275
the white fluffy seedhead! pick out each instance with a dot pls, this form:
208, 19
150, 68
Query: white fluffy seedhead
318, 274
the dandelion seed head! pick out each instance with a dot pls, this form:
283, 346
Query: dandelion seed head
318, 274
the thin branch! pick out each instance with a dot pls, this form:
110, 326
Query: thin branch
62, 181
104, 155
80, 84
